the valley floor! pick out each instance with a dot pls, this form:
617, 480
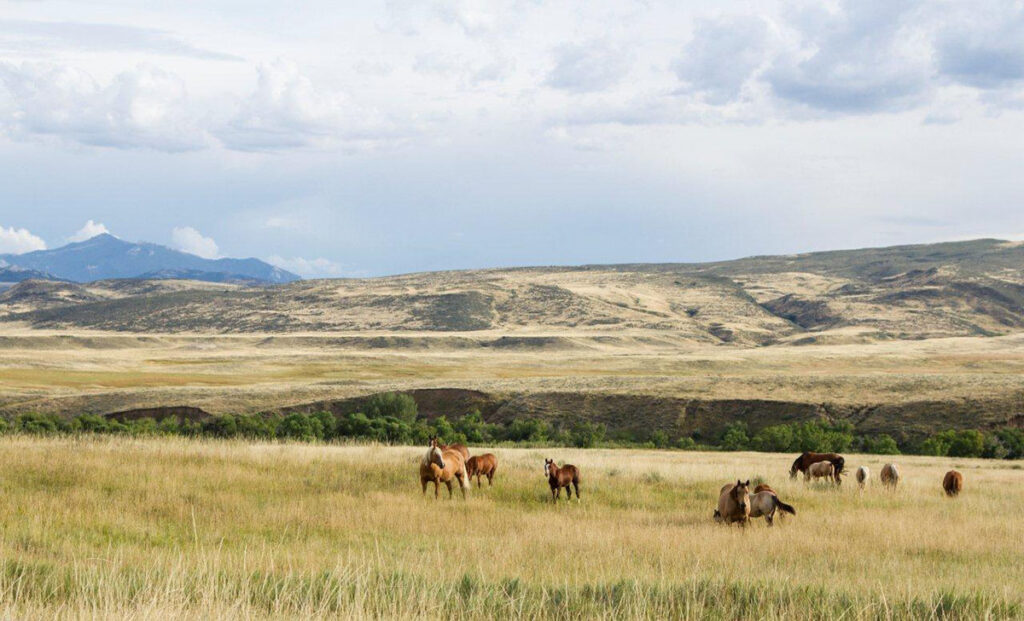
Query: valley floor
170, 528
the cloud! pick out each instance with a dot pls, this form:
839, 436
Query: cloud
189, 240
45, 36
287, 110
145, 107
722, 56
984, 49
862, 58
308, 268
588, 67
18, 241
89, 230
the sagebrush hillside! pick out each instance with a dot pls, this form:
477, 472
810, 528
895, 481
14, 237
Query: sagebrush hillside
908, 292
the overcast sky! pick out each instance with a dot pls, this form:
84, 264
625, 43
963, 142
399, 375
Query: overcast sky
403, 136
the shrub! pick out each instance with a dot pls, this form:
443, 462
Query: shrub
299, 427
774, 439
967, 443
735, 437
91, 423
660, 439
392, 405
221, 427
588, 435
687, 443
328, 424
256, 427
37, 424
883, 444
142, 427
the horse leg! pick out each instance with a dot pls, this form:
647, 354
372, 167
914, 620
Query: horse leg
424, 483
568, 492
448, 484
577, 486
437, 488
478, 483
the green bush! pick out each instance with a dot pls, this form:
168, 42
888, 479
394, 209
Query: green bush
37, 424
588, 435
392, 405
967, 443
221, 427
299, 427
735, 437
883, 444
91, 423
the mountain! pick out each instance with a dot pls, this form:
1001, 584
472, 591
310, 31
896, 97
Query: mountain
973, 288
107, 257
14, 273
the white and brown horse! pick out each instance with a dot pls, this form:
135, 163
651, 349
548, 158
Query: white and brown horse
863, 474
441, 465
820, 470
890, 475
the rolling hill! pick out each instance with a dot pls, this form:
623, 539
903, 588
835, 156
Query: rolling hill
973, 288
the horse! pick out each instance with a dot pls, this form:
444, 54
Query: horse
819, 470
890, 475
441, 466
764, 487
805, 460
461, 448
562, 477
482, 465
734, 503
863, 474
765, 503
953, 483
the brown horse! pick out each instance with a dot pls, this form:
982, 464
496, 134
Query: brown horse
805, 460
562, 477
764, 487
819, 470
953, 483
890, 475
482, 465
734, 503
765, 503
441, 466
461, 448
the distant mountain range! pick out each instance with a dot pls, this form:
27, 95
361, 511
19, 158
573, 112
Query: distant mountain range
106, 257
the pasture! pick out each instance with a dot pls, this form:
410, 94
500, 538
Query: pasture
175, 528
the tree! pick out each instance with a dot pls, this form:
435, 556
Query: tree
588, 435
967, 443
299, 427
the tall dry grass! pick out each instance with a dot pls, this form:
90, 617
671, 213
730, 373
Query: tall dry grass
173, 528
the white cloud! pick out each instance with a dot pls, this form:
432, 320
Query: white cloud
308, 268
145, 107
588, 67
189, 240
17, 241
89, 230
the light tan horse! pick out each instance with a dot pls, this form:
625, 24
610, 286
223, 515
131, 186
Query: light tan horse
819, 470
953, 483
441, 466
890, 475
765, 503
863, 474
734, 503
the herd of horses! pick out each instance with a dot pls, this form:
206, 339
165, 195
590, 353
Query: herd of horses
737, 504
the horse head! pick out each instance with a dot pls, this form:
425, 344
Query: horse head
549, 465
741, 494
434, 455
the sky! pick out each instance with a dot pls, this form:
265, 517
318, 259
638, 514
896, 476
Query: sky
365, 138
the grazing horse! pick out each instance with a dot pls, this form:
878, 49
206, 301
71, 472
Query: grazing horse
953, 483
441, 466
819, 470
863, 474
805, 460
562, 477
890, 475
765, 502
482, 465
734, 503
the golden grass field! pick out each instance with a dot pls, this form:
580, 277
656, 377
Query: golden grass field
75, 371
175, 528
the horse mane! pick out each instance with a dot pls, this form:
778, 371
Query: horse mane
426, 458
797, 462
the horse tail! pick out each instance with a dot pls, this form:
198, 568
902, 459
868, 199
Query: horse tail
465, 476
783, 506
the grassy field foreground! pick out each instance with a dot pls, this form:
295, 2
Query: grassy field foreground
177, 528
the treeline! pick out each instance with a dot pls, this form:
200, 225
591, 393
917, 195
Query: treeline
393, 418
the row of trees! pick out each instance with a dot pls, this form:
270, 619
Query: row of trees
394, 419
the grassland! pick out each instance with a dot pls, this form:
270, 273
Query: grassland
169, 528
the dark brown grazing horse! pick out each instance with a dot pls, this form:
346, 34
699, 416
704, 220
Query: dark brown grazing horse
953, 483
805, 460
482, 465
562, 477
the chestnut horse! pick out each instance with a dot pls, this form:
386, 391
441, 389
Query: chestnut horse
441, 466
953, 483
733, 503
482, 465
805, 460
890, 475
562, 477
